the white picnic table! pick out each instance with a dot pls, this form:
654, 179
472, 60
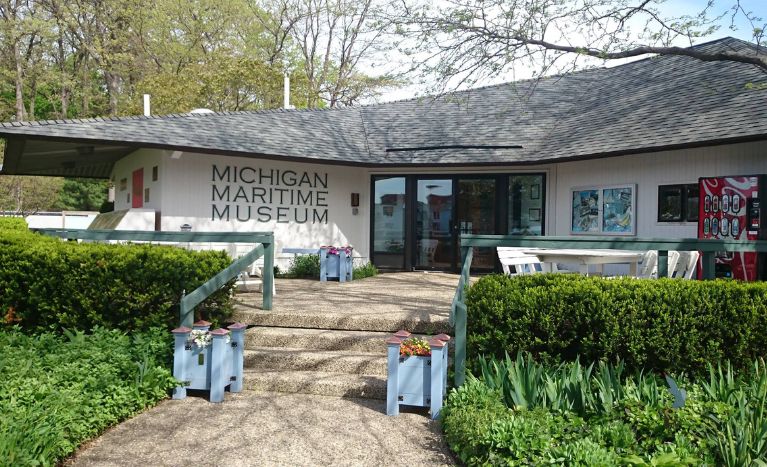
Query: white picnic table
586, 258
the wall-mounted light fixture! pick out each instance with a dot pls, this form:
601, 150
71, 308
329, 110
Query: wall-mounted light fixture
355, 200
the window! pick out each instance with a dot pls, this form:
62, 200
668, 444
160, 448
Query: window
603, 210
155, 173
678, 203
525, 205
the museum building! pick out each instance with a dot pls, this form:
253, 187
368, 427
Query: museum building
612, 151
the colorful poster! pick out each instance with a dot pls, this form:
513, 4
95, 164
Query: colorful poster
585, 217
617, 210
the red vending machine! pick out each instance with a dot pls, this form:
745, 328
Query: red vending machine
730, 209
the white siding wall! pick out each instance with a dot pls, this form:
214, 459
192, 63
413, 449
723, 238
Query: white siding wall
187, 198
183, 192
142, 158
648, 171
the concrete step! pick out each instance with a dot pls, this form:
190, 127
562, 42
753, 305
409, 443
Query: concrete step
316, 382
317, 339
422, 323
274, 358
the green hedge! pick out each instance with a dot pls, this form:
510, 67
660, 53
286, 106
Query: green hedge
59, 391
666, 324
13, 223
48, 283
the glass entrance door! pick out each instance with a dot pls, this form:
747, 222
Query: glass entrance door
389, 220
433, 224
476, 214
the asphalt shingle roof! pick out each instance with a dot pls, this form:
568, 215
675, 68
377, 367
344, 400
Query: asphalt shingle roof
661, 102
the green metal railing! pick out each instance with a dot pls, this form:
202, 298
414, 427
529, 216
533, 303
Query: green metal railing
264, 247
707, 248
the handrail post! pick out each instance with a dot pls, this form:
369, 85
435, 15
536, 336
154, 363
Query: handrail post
662, 263
708, 264
268, 275
186, 316
461, 317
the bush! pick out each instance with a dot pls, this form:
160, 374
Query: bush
48, 283
665, 324
524, 413
304, 267
13, 223
59, 391
364, 271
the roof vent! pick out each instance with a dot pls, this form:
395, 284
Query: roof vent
202, 111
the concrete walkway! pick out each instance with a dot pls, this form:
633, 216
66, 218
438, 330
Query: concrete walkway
263, 429
416, 301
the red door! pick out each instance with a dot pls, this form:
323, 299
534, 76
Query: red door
138, 189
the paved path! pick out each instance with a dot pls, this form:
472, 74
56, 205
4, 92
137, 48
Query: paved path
263, 429
418, 294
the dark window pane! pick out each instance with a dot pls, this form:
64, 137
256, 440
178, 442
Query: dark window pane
525, 204
476, 215
389, 222
434, 216
692, 203
670, 203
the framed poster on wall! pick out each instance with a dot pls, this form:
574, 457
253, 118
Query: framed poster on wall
618, 210
585, 211
604, 210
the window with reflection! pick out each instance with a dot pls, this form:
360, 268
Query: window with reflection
526, 204
389, 222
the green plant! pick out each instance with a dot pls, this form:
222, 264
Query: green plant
596, 414
58, 391
13, 223
740, 436
364, 271
47, 282
660, 325
304, 266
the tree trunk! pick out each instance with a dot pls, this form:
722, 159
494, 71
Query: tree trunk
19, 84
32, 96
62, 69
86, 84
113, 89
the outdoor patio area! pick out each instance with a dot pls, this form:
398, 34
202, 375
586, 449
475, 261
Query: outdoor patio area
404, 300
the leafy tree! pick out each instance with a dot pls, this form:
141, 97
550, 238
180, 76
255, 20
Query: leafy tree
79, 194
462, 41
28, 195
333, 37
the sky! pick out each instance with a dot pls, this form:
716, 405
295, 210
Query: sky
670, 8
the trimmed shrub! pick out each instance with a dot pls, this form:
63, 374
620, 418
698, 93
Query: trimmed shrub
48, 283
665, 324
59, 391
13, 223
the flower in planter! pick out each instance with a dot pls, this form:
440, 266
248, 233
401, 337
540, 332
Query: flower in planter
415, 346
336, 250
203, 339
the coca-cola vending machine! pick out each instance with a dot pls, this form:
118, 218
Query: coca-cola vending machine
730, 209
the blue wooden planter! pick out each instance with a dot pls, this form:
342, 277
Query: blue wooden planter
335, 266
414, 380
209, 368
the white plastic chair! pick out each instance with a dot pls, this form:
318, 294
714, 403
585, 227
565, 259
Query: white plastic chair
428, 249
523, 263
685, 264
649, 268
